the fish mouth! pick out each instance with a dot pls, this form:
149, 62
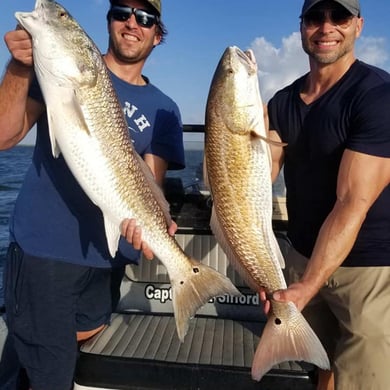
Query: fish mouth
249, 53
248, 57
23, 17
234, 60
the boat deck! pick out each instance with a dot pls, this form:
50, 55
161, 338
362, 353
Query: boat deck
143, 351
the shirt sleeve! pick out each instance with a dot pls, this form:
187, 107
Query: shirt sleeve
167, 141
370, 129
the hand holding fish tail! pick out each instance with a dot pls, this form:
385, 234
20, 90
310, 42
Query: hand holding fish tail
299, 293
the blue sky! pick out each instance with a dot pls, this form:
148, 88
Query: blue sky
199, 32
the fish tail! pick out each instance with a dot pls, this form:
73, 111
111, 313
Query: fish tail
288, 340
196, 289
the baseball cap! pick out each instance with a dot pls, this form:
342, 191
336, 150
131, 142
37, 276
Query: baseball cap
156, 4
352, 6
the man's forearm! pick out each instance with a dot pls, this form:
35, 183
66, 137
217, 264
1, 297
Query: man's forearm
13, 100
334, 242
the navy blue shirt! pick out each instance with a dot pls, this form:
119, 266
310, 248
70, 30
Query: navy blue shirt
53, 218
354, 114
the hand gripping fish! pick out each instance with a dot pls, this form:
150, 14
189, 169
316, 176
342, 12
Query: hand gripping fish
87, 125
238, 168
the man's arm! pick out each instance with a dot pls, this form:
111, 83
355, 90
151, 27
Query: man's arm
158, 166
361, 180
18, 112
277, 154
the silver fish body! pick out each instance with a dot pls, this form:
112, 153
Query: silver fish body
238, 172
87, 126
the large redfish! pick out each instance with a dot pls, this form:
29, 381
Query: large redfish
238, 167
87, 125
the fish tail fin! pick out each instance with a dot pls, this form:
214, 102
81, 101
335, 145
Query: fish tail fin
287, 340
195, 290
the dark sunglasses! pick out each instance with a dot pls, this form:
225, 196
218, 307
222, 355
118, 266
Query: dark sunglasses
339, 17
143, 18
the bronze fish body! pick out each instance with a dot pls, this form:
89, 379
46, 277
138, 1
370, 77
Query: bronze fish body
238, 172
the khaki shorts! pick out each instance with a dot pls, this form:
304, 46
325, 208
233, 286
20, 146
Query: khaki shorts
351, 316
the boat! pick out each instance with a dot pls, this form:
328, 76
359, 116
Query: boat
140, 348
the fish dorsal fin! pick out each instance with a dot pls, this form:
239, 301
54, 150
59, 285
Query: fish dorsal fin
112, 235
156, 189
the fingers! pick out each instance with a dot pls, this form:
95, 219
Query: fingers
297, 293
148, 253
132, 232
265, 301
172, 229
133, 235
127, 230
266, 307
279, 295
19, 44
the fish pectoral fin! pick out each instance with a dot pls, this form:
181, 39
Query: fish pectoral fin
81, 112
268, 140
112, 235
55, 149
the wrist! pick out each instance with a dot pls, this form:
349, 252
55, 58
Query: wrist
19, 69
311, 286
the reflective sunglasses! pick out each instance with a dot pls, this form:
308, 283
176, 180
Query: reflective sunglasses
143, 18
339, 17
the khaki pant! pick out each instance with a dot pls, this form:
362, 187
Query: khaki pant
351, 316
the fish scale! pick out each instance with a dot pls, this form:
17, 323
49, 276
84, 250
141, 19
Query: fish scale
238, 158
